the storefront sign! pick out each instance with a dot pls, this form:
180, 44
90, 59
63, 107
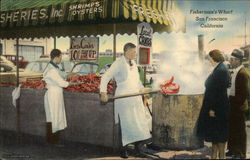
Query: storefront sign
50, 14
84, 49
82, 12
144, 35
151, 13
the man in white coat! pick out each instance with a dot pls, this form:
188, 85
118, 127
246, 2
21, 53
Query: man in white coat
129, 112
53, 99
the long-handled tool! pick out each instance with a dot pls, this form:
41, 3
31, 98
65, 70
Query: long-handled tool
134, 94
165, 88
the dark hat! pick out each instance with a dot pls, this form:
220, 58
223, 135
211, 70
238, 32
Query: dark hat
237, 54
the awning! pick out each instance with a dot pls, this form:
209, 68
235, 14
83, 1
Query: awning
42, 18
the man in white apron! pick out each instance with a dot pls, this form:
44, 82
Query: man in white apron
129, 112
53, 99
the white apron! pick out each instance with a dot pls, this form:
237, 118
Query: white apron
53, 99
130, 112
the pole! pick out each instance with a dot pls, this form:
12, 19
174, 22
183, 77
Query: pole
55, 42
46, 52
145, 70
114, 58
5, 46
245, 30
114, 42
134, 94
201, 46
17, 84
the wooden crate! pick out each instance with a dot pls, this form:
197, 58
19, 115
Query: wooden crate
27, 79
7, 78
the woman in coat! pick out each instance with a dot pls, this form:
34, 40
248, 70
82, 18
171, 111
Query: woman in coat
214, 115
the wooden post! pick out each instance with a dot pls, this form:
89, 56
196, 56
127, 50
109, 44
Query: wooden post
18, 100
55, 42
17, 61
114, 58
145, 70
114, 42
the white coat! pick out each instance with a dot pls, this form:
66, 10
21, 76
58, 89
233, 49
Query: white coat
129, 112
53, 99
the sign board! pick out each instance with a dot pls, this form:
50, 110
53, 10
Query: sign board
144, 36
84, 49
144, 57
78, 11
64, 12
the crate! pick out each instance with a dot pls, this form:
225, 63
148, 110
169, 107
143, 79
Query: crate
7, 78
28, 79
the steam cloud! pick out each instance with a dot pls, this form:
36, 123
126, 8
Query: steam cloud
188, 71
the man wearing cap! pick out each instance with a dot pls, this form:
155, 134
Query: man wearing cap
238, 92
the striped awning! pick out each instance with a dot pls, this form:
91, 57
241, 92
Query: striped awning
86, 17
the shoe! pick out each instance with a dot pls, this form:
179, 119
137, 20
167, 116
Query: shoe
235, 157
153, 147
229, 153
238, 157
124, 152
139, 146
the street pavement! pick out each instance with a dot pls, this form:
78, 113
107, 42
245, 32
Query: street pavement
248, 139
33, 148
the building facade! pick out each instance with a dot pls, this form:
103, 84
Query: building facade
30, 49
109, 53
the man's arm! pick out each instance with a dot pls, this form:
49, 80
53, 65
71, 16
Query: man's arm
107, 76
55, 76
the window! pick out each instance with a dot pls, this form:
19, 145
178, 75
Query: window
85, 68
67, 65
30, 52
43, 66
33, 66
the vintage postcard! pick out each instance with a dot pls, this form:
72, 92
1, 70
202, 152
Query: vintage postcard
114, 79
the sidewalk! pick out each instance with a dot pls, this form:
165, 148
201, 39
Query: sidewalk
32, 148
78, 152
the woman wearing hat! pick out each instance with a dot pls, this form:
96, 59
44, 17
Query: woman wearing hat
213, 119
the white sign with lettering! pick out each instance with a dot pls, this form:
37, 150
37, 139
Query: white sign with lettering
144, 37
85, 49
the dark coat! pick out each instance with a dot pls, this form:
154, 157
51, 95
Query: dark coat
215, 129
237, 141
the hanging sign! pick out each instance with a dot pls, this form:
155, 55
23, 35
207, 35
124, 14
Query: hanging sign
144, 38
84, 49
